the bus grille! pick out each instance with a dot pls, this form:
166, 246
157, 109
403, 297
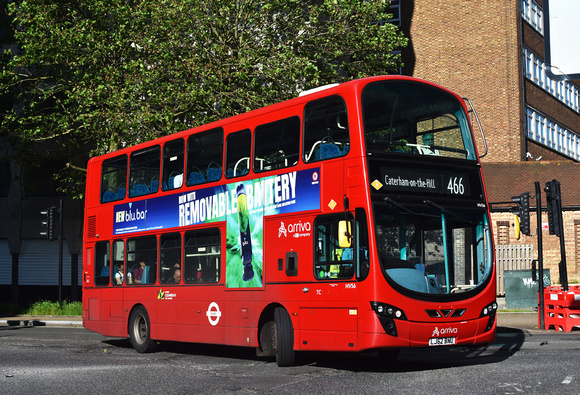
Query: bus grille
92, 226
443, 313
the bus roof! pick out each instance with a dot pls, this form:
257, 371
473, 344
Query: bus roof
303, 97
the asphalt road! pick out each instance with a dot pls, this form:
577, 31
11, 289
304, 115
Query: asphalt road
69, 360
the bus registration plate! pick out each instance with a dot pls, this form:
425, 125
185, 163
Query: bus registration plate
442, 341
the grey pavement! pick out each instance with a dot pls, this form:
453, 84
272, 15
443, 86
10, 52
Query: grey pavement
524, 320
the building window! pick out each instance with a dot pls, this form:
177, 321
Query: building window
503, 232
545, 131
535, 71
5, 179
533, 14
395, 9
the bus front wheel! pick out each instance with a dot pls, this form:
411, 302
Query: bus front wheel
285, 355
140, 331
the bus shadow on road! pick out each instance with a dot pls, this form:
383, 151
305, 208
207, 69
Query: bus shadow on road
208, 350
508, 341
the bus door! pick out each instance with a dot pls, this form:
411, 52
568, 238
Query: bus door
329, 315
105, 299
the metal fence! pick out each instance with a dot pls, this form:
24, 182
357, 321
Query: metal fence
511, 257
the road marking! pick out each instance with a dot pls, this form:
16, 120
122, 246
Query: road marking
568, 380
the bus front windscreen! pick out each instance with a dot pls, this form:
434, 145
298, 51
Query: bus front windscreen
407, 117
433, 252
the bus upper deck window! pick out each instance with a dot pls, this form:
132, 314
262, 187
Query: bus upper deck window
326, 133
144, 171
407, 117
204, 157
238, 152
114, 179
173, 161
277, 144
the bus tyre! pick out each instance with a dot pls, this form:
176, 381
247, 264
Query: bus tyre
285, 355
140, 331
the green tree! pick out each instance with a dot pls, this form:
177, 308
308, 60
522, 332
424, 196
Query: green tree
92, 76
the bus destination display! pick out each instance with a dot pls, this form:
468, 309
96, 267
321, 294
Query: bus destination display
423, 181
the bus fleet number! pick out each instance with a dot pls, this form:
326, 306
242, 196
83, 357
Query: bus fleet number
456, 186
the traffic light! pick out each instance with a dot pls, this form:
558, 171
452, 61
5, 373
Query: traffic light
522, 214
48, 223
554, 205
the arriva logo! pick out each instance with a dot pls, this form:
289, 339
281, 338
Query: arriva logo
444, 331
298, 229
282, 230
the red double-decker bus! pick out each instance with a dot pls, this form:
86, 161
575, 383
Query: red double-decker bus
351, 218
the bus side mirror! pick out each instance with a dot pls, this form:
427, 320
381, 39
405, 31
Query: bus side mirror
344, 234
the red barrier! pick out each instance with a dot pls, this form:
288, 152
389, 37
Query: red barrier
562, 308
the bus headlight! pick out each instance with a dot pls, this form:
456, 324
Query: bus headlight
489, 311
387, 315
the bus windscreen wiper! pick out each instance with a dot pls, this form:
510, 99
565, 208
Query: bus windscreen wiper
405, 209
431, 203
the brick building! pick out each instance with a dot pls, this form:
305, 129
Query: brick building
493, 53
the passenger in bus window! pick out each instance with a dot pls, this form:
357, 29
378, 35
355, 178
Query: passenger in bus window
428, 141
168, 271
199, 273
138, 273
119, 275
176, 279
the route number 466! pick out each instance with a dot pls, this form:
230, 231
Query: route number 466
456, 186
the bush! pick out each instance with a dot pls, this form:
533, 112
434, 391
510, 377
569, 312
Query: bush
73, 308
53, 308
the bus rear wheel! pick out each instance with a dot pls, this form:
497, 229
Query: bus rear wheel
140, 331
285, 354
